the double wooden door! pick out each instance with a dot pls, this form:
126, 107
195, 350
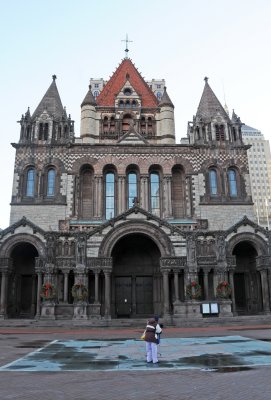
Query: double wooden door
133, 296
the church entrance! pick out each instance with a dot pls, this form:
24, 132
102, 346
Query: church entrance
136, 279
247, 280
22, 285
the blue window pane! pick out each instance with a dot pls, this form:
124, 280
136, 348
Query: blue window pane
109, 195
132, 188
232, 183
51, 182
213, 182
30, 184
155, 194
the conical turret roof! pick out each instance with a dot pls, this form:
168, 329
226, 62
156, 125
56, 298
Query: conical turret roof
89, 99
209, 105
126, 71
165, 100
50, 102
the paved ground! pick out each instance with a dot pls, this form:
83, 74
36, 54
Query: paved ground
253, 383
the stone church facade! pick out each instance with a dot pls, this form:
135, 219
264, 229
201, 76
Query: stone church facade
122, 222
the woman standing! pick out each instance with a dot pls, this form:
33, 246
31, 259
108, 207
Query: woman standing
152, 331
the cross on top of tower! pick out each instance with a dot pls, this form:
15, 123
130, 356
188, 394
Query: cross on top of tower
127, 41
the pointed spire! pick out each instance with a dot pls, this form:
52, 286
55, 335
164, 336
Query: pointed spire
165, 100
89, 99
51, 102
27, 114
209, 104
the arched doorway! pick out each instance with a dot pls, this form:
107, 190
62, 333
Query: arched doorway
22, 282
136, 278
247, 280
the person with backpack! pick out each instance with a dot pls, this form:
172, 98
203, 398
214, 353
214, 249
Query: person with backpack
152, 338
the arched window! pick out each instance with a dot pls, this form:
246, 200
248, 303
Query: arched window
30, 182
126, 122
159, 96
132, 188
213, 182
143, 125
232, 183
121, 104
133, 103
112, 124
86, 192
178, 192
109, 195
150, 126
105, 124
96, 93
127, 104
155, 193
51, 181
220, 132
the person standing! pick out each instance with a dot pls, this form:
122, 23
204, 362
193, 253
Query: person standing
152, 331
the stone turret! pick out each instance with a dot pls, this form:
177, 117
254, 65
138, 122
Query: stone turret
167, 124
49, 122
211, 125
89, 129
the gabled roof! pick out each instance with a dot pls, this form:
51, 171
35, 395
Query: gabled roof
209, 105
22, 222
50, 102
126, 71
243, 222
132, 137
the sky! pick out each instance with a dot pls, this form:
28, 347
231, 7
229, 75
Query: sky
178, 40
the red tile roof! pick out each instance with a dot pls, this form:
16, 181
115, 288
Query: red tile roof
117, 81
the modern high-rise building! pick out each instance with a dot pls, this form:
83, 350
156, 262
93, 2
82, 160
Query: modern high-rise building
121, 222
259, 161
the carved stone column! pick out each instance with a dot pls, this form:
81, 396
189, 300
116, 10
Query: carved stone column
4, 282
167, 206
176, 285
96, 274
231, 279
121, 194
206, 283
188, 189
98, 196
107, 300
165, 273
66, 284
144, 186
265, 294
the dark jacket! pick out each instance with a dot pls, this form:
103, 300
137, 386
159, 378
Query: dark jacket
150, 331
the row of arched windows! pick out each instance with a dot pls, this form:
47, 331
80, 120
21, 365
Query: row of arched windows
215, 182
150, 194
145, 125
50, 187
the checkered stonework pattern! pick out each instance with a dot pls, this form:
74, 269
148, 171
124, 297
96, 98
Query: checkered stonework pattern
194, 158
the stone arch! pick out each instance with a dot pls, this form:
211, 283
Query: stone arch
14, 240
153, 232
256, 241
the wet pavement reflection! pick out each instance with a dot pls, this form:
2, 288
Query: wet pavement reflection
219, 354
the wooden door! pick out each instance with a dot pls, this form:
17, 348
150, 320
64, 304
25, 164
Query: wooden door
123, 290
144, 295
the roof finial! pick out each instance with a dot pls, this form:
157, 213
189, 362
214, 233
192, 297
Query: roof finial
127, 41
206, 79
54, 77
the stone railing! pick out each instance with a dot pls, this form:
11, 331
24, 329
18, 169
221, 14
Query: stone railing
99, 262
173, 261
206, 260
